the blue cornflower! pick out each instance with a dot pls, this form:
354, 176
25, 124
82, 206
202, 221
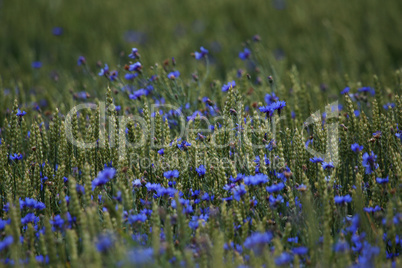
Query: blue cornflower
293, 239
141, 256
15, 157
57, 223
130, 76
36, 64
267, 109
341, 246
3, 224
284, 259
135, 67
274, 201
173, 75
227, 86
171, 174
245, 54
372, 209
137, 218
20, 113
355, 221
152, 186
300, 250
137, 183
326, 165
269, 99
239, 191
81, 61
201, 170
137, 94
278, 105
7, 241
104, 70
200, 55
194, 223
42, 259
161, 151
256, 179
369, 162
103, 177
275, 187
382, 180
389, 105
399, 135
30, 217
356, 147
113, 75
105, 242
357, 113
345, 90
57, 31
367, 89
134, 53
238, 178
257, 241
342, 199
316, 160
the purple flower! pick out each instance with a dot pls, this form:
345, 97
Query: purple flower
316, 160
137, 218
7, 241
194, 223
130, 76
201, 170
257, 179
171, 174
300, 250
113, 76
356, 147
134, 53
202, 54
382, 180
274, 201
135, 67
15, 157
342, 199
369, 162
20, 114
345, 90
30, 217
239, 191
81, 61
57, 31
36, 64
275, 187
173, 75
103, 177
245, 54
269, 99
137, 94
104, 70
57, 223
257, 241
227, 86
137, 183
367, 89
105, 242
341, 246
284, 259
326, 165
372, 209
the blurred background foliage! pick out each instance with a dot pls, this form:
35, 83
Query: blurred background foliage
339, 36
